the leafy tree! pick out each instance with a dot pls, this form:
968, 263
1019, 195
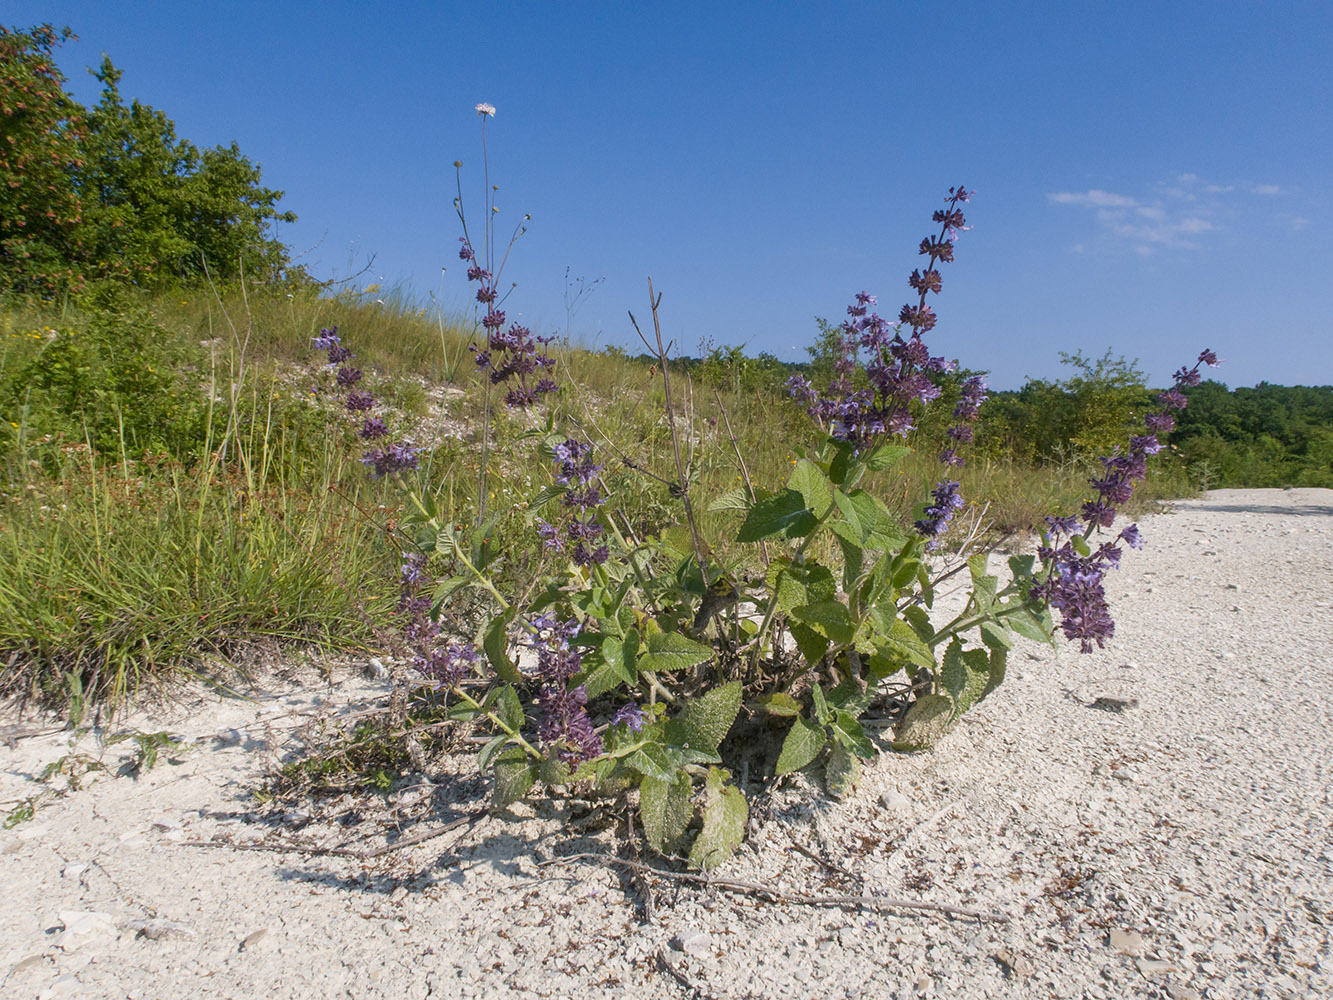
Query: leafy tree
158, 206
40, 132
113, 192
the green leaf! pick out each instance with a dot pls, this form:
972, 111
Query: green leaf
554, 772
779, 703
546, 496
850, 696
842, 772
801, 583
904, 570
852, 558
1030, 624
495, 645
929, 718
1081, 545
998, 660
652, 761
802, 745
847, 732
919, 619
669, 651
664, 805
784, 514
724, 815
446, 589
846, 469
507, 708
830, 618
809, 480
810, 643
704, 721
904, 643
965, 675
996, 636
1021, 566
885, 456
819, 705
737, 499
514, 775
489, 751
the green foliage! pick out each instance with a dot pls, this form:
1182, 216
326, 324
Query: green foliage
1080, 417
41, 129
112, 192
115, 383
1265, 436
157, 208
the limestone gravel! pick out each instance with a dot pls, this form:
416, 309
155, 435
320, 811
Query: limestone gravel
1176, 845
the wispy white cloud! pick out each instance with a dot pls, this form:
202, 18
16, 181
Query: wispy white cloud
1179, 214
1095, 198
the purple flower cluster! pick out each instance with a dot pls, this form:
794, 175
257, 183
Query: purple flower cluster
510, 355
898, 370
564, 710
382, 461
940, 513
1073, 583
630, 715
444, 665
583, 497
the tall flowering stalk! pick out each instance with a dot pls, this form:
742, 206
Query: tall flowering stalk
898, 371
1073, 580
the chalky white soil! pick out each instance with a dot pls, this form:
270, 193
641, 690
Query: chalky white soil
1179, 848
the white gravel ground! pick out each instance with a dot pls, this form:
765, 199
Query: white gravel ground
1182, 847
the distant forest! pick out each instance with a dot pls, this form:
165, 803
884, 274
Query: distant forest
1265, 436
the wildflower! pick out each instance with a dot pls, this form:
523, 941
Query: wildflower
939, 514
630, 715
394, 458
359, 401
445, 666
348, 377
485, 111
565, 721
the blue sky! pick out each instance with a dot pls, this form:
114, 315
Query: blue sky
1152, 178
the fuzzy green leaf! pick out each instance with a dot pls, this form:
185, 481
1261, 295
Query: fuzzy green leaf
995, 676
885, 456
996, 636
665, 807
495, 644
724, 815
651, 761
737, 499
929, 718
778, 703
669, 651
507, 707
830, 618
811, 644
802, 745
783, 514
489, 751
1030, 624
809, 480
842, 772
704, 721
514, 775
